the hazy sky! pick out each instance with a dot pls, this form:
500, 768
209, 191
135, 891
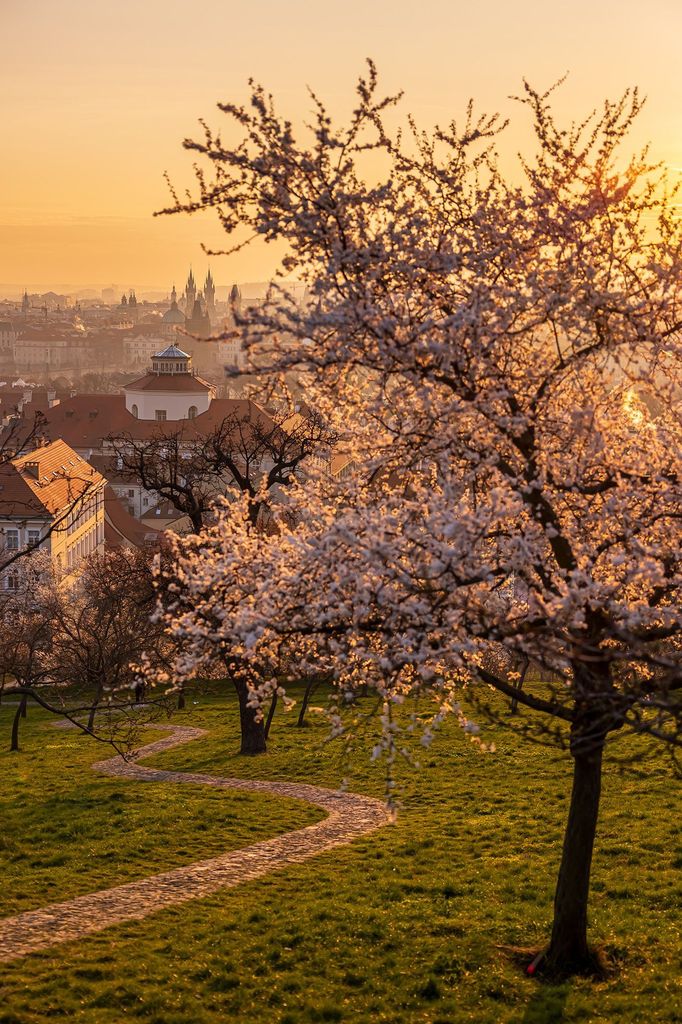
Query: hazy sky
97, 96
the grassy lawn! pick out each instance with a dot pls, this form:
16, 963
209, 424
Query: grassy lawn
403, 926
66, 830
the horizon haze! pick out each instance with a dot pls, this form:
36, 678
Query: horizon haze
100, 97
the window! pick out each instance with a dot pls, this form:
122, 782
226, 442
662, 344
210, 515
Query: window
192, 412
145, 501
119, 460
12, 540
13, 581
131, 494
33, 537
160, 415
134, 411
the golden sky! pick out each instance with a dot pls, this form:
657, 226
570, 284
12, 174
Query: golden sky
97, 96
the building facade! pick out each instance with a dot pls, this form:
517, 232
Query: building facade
51, 501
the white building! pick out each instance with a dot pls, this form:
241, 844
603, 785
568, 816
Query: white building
170, 391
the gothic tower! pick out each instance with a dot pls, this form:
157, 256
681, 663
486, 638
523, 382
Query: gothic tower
198, 322
190, 294
209, 295
235, 301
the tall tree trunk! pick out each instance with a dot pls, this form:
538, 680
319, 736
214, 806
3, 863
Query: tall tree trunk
93, 710
568, 951
181, 698
252, 729
519, 683
309, 690
271, 714
19, 714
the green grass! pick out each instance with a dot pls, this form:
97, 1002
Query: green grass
65, 830
406, 925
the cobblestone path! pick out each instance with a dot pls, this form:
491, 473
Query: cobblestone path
348, 816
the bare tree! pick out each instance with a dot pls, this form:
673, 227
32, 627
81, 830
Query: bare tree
247, 453
25, 641
102, 630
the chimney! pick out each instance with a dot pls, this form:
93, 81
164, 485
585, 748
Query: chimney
72, 394
51, 395
33, 468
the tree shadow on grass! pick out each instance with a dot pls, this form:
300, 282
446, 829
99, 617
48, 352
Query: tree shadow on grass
547, 1005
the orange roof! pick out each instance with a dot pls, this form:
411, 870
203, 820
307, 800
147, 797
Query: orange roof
170, 382
84, 421
120, 526
45, 481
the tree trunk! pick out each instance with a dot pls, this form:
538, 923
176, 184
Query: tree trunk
568, 951
181, 699
309, 690
93, 711
252, 729
271, 714
19, 714
519, 685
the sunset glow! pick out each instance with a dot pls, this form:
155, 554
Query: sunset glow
97, 98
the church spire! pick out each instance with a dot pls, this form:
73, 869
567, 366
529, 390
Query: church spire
190, 293
209, 293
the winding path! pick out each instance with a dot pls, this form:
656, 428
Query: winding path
348, 816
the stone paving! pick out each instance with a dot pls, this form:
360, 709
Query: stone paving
348, 817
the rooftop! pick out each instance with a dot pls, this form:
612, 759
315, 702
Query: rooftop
182, 382
45, 481
172, 352
84, 421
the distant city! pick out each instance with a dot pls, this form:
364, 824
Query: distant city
85, 340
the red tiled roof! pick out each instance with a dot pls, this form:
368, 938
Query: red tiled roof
170, 382
85, 421
120, 526
61, 477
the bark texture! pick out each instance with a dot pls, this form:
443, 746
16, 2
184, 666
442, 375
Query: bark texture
252, 728
19, 714
569, 952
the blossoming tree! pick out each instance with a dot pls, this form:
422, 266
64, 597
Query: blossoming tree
500, 361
